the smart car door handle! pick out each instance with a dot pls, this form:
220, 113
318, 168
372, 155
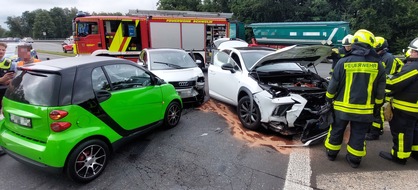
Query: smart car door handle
103, 95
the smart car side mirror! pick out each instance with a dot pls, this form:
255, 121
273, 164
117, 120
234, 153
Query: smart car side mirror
160, 81
103, 95
228, 67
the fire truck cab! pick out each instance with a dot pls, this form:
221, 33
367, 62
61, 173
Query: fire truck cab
126, 36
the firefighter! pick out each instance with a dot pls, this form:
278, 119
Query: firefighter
391, 65
356, 89
338, 53
404, 124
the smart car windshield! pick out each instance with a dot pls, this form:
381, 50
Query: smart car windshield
162, 60
251, 57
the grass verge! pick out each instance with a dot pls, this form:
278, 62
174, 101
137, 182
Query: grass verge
56, 53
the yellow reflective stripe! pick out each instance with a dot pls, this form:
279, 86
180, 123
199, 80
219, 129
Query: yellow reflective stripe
378, 101
392, 70
407, 106
414, 147
354, 106
401, 154
359, 153
354, 111
332, 70
402, 77
329, 145
329, 95
348, 83
117, 39
376, 125
382, 116
373, 76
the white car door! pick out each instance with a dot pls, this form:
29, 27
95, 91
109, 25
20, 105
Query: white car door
223, 84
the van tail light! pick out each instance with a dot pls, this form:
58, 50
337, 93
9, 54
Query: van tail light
57, 114
60, 126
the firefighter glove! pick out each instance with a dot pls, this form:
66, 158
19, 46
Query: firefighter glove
328, 100
376, 110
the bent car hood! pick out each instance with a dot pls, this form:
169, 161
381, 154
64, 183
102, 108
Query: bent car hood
305, 55
179, 74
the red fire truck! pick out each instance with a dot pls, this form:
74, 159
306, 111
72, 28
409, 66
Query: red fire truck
126, 36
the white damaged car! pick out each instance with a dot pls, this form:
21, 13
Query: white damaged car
270, 88
176, 67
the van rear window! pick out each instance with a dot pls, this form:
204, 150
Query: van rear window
34, 88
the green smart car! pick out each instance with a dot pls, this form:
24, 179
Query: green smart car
68, 115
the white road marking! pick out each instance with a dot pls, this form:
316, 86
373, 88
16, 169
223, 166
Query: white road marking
299, 171
405, 179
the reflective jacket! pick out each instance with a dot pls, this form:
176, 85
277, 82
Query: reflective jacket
5, 65
389, 62
357, 84
404, 87
336, 55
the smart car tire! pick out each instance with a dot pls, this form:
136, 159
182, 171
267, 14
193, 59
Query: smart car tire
250, 120
87, 161
172, 114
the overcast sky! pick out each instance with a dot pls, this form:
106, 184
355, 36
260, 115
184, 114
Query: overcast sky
17, 7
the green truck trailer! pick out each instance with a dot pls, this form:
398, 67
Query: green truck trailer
307, 33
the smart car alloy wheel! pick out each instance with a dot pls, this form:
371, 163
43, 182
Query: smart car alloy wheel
87, 161
172, 115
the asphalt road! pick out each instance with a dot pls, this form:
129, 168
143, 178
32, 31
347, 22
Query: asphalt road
209, 149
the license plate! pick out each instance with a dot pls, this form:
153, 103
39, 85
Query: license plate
20, 120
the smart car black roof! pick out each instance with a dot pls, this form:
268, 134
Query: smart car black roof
73, 62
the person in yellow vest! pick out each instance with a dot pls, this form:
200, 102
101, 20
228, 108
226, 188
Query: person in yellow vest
24, 54
356, 91
404, 123
6, 75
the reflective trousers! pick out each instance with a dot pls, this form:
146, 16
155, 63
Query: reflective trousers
377, 125
404, 129
356, 144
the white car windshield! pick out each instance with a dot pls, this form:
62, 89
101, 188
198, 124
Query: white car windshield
251, 57
165, 60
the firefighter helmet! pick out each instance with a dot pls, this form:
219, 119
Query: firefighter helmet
414, 44
365, 37
381, 43
347, 40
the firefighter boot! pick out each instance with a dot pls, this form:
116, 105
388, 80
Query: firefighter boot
414, 155
389, 156
331, 154
354, 161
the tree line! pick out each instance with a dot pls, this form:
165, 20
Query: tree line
395, 20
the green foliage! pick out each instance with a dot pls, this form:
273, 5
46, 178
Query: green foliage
43, 27
183, 5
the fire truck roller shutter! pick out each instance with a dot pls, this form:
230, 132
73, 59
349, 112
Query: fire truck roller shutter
165, 35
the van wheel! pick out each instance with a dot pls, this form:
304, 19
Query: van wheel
172, 114
87, 161
250, 119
